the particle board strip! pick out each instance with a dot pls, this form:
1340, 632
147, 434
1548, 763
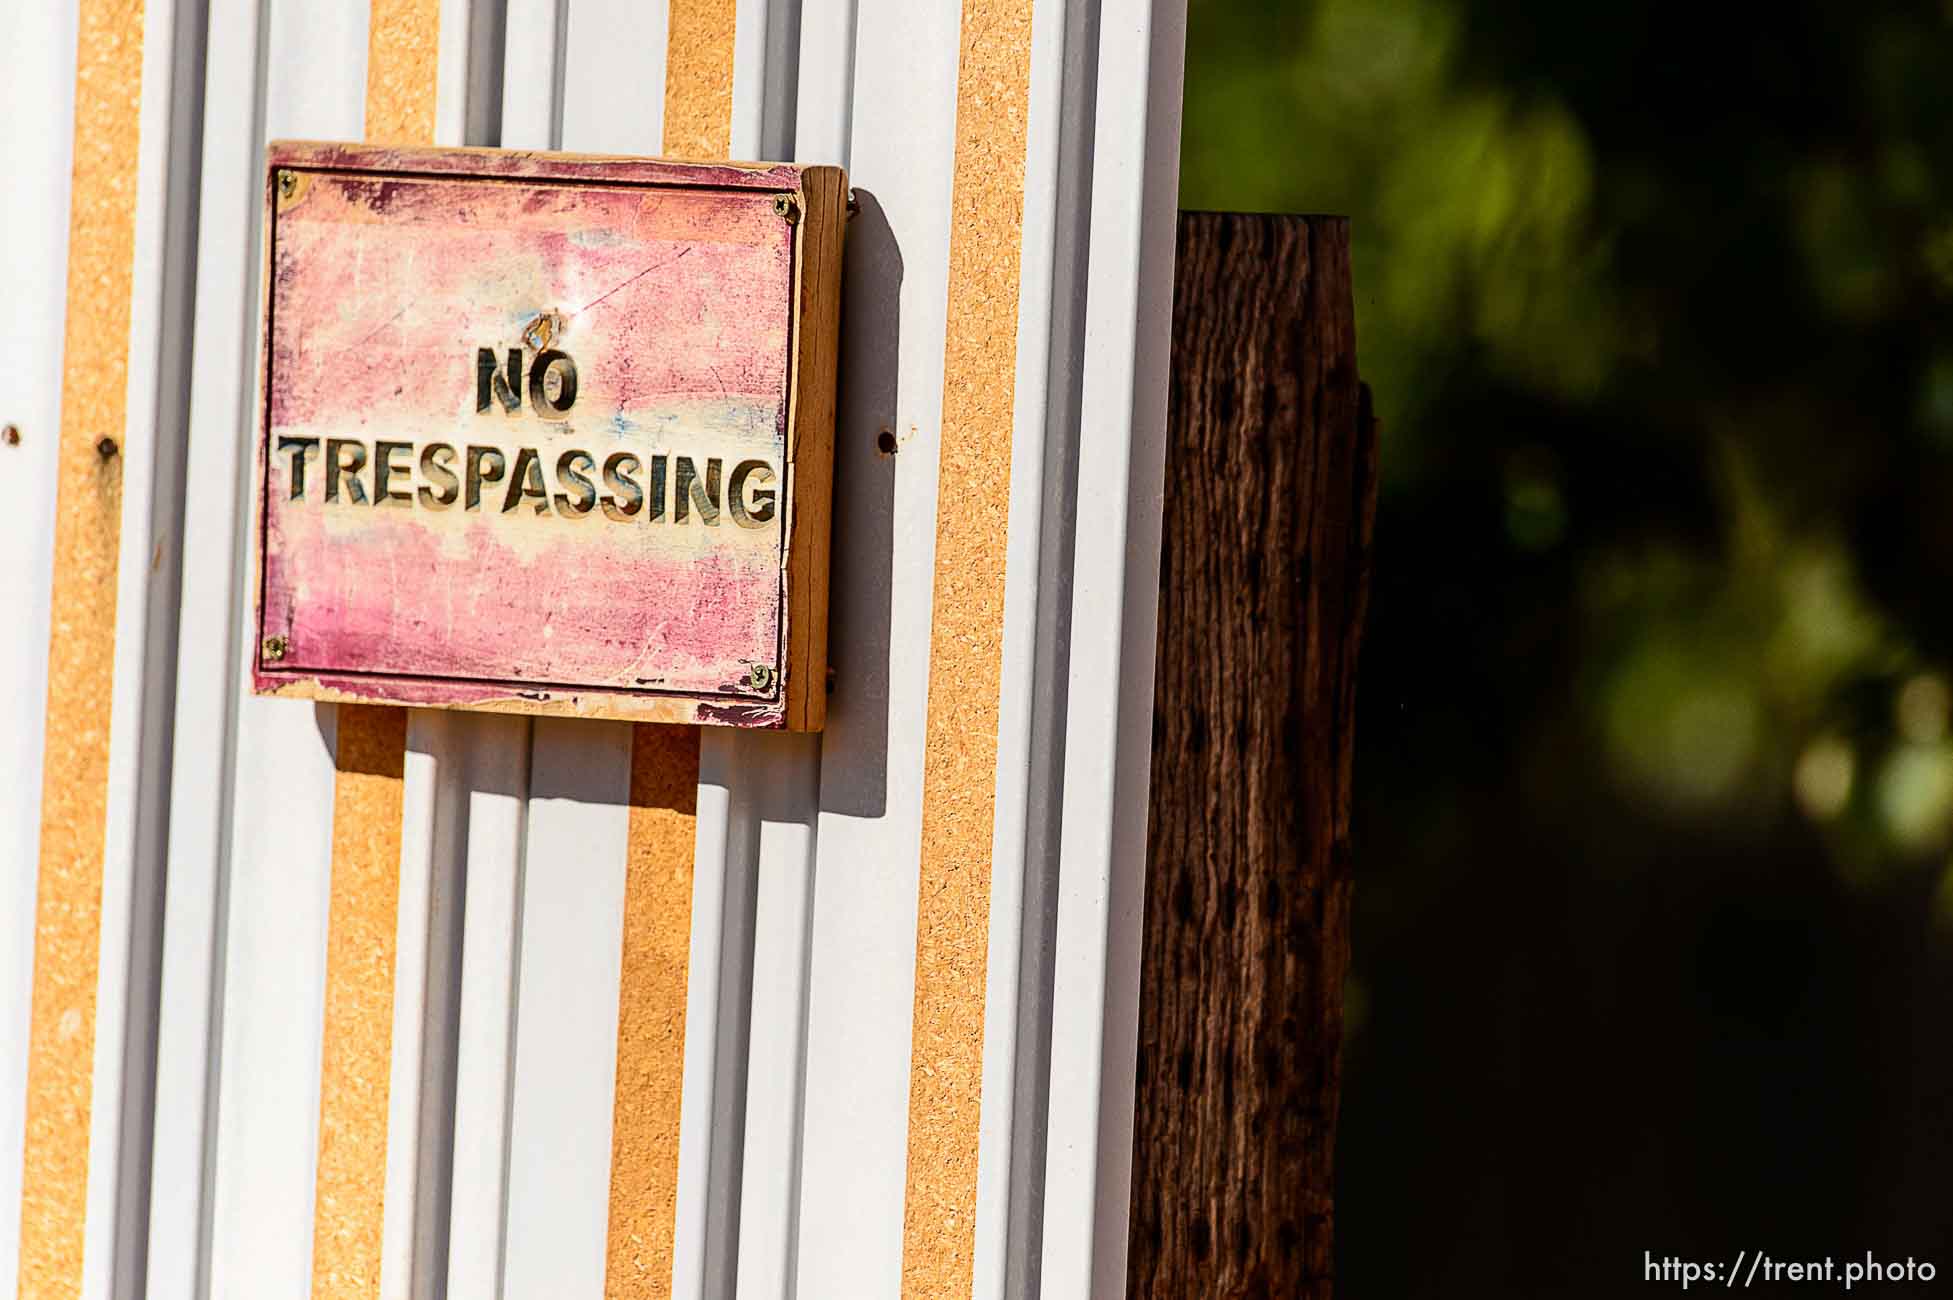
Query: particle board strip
651, 1011
698, 78
362, 920
356, 1061
959, 789
81, 649
652, 986
403, 52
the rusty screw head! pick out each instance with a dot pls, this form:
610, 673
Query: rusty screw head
106, 448
10, 434
274, 648
784, 205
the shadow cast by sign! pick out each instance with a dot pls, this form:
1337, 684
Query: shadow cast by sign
854, 748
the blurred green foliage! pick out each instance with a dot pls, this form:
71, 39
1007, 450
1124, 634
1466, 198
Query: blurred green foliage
1691, 264
1655, 777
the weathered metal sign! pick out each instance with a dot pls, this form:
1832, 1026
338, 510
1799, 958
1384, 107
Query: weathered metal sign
549, 434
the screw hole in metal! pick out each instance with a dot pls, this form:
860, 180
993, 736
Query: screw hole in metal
885, 443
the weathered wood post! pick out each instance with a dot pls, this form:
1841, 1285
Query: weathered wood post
1270, 503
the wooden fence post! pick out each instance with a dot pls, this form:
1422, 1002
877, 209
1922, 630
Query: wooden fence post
1270, 505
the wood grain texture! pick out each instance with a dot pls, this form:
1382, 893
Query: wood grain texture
810, 421
959, 775
362, 916
81, 649
1270, 503
651, 1011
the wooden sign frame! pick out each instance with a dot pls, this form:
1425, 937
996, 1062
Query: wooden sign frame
789, 694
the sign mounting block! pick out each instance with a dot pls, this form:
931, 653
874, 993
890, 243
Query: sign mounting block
547, 433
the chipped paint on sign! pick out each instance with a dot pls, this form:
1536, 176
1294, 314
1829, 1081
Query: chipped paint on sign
530, 433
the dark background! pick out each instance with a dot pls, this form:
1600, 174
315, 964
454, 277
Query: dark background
1654, 917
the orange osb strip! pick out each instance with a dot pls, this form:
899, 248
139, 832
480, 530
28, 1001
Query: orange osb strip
362, 920
959, 780
81, 650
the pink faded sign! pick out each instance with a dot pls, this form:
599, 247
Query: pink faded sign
548, 434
